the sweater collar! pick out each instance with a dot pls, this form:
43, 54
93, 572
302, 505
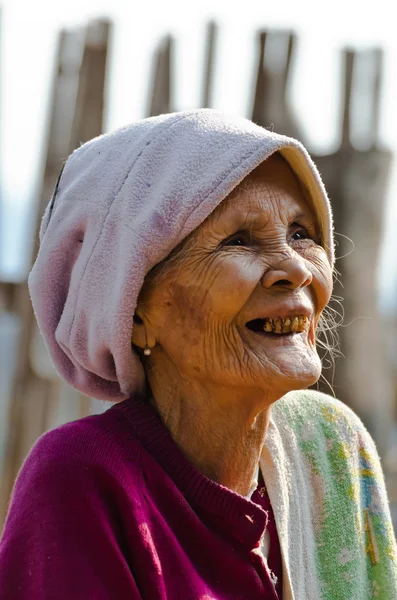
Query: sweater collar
242, 518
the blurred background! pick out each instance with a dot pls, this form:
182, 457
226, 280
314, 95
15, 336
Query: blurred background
324, 73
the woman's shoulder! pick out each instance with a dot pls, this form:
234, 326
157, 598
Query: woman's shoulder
72, 501
101, 442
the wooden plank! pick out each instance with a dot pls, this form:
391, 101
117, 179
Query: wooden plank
24, 388
259, 107
209, 62
376, 101
8, 291
271, 107
349, 58
76, 115
357, 182
160, 100
88, 115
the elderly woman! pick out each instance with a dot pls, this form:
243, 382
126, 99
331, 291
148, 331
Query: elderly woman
184, 266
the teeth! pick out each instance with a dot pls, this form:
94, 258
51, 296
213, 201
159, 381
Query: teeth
296, 324
287, 325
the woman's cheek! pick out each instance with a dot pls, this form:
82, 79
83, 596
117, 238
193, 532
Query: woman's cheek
234, 285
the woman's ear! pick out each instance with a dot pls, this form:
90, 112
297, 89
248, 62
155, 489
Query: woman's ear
141, 335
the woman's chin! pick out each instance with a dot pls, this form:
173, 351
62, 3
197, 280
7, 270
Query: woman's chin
293, 371
303, 381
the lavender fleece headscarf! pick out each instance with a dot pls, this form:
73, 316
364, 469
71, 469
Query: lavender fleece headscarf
123, 201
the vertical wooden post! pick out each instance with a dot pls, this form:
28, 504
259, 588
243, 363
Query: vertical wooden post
88, 114
349, 59
28, 397
259, 105
161, 101
212, 32
271, 107
76, 115
357, 183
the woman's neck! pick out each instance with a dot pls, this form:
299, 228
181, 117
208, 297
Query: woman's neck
221, 431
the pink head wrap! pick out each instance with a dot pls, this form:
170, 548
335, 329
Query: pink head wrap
123, 201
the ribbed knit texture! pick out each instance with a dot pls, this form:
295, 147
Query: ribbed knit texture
108, 507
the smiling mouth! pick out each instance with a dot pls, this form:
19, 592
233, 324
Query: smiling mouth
280, 326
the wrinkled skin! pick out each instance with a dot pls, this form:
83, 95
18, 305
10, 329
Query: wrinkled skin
213, 380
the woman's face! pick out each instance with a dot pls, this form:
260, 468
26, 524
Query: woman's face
254, 259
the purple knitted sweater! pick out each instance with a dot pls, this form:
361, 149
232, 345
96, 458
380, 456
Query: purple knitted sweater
107, 507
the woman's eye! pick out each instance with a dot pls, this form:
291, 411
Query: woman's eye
237, 240
300, 234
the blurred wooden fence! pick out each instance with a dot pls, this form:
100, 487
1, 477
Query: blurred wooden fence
33, 399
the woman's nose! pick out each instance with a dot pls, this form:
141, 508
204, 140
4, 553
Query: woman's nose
290, 273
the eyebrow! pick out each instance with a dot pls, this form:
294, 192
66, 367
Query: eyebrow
302, 215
